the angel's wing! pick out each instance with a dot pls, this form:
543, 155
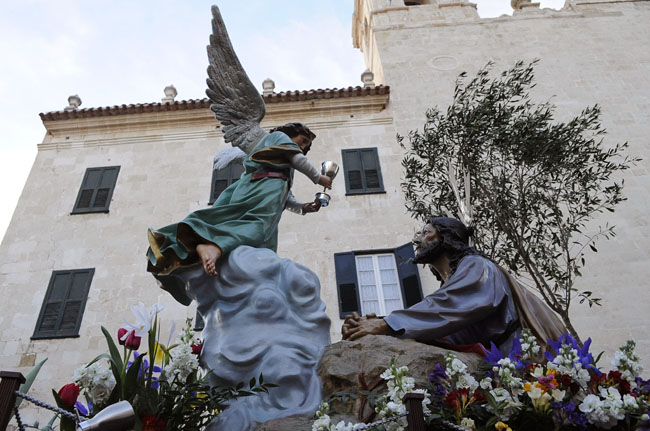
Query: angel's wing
236, 102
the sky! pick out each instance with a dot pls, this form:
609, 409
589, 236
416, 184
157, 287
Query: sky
113, 52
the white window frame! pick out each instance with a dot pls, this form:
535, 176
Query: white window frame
378, 283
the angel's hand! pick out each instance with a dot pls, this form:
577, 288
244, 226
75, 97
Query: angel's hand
325, 181
311, 207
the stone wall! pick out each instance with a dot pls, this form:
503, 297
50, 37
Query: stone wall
590, 52
165, 161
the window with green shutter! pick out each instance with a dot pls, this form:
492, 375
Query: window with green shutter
377, 281
96, 190
224, 177
64, 304
362, 171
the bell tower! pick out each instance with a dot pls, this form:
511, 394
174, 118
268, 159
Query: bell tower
373, 21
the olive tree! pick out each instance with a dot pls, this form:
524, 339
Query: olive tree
536, 183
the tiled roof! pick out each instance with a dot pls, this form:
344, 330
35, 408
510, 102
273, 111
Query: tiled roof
285, 96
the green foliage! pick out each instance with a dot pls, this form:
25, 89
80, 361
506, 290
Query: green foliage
164, 398
29, 381
535, 183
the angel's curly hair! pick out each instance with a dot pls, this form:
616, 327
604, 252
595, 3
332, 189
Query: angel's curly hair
294, 129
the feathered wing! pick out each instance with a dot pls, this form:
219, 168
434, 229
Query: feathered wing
236, 102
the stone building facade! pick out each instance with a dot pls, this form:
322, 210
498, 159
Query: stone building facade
161, 160
591, 52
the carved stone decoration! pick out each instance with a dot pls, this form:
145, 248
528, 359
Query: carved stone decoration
262, 314
523, 4
268, 85
170, 94
74, 102
368, 79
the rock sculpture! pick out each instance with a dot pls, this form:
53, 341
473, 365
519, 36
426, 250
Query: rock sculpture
263, 315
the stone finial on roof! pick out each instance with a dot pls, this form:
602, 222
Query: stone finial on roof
170, 94
367, 77
519, 5
268, 86
74, 102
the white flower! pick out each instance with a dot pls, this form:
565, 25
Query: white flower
630, 402
457, 366
467, 381
468, 423
590, 403
100, 394
321, 424
627, 361
486, 383
395, 408
181, 364
558, 395
143, 319
512, 405
97, 381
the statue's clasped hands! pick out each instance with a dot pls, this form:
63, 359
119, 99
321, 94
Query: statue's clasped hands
355, 326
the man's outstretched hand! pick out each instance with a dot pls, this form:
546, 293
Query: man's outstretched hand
355, 326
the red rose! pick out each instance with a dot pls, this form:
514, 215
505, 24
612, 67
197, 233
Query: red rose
69, 394
132, 342
196, 348
152, 423
120, 334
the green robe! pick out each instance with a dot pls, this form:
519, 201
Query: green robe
246, 213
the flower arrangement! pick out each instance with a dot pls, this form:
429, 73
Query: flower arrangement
165, 385
524, 390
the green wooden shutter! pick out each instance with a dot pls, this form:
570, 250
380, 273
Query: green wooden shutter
408, 275
346, 281
353, 172
96, 190
371, 170
64, 304
362, 171
222, 178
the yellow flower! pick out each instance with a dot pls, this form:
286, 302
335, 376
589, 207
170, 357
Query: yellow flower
160, 354
500, 426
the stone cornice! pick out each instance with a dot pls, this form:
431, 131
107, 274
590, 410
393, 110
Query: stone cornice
165, 118
275, 98
184, 135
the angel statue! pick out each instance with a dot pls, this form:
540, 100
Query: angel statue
262, 313
247, 212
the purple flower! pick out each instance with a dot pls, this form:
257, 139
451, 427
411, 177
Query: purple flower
144, 369
82, 409
578, 419
438, 375
585, 358
493, 355
569, 407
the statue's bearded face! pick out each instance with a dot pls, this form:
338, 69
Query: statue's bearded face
428, 244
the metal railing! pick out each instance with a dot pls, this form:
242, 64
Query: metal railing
11, 381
